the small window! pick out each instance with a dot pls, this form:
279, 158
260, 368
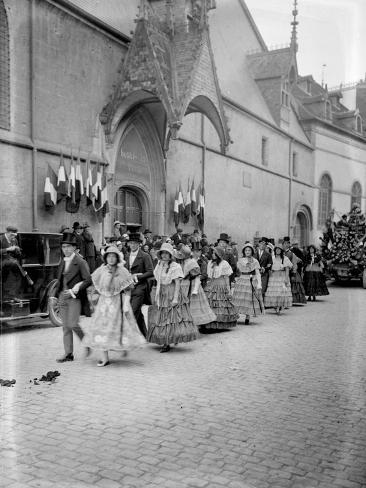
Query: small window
325, 199
295, 164
264, 151
308, 86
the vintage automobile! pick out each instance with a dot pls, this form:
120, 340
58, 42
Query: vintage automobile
41, 255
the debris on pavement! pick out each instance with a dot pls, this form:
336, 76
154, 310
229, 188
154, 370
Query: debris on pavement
9, 383
49, 377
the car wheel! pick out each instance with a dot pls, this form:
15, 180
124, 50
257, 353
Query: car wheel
53, 307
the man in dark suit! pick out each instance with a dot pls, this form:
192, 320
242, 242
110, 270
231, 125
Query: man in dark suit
177, 237
73, 279
223, 242
139, 264
265, 262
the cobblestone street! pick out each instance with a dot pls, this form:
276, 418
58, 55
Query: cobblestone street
279, 403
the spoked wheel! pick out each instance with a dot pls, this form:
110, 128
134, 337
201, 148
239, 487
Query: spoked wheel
53, 306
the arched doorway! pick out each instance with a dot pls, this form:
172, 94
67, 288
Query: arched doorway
301, 231
128, 208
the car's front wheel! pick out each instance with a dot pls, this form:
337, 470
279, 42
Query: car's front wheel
53, 306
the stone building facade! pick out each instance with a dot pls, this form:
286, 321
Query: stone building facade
164, 92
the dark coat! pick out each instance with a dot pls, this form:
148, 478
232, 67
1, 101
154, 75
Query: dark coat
78, 271
142, 264
88, 250
4, 244
177, 239
265, 261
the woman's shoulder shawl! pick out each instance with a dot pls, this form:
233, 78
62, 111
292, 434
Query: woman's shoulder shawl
104, 284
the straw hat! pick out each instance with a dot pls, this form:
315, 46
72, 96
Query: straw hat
112, 250
167, 248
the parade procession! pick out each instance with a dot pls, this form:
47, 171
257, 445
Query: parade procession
182, 244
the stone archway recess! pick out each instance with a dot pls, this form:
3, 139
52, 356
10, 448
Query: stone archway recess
137, 161
303, 225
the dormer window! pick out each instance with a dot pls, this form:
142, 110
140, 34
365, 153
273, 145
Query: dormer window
328, 110
285, 94
308, 86
358, 124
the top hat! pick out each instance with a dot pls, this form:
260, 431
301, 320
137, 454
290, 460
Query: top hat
112, 250
224, 237
263, 239
196, 246
69, 238
135, 236
248, 244
286, 239
219, 252
167, 248
77, 225
11, 228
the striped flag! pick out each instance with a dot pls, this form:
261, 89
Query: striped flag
193, 200
71, 192
79, 184
97, 189
176, 209
89, 183
104, 204
62, 183
180, 205
187, 208
50, 192
201, 215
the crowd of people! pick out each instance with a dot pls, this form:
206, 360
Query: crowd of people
191, 287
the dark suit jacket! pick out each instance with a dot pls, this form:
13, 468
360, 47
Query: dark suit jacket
142, 264
78, 271
177, 239
265, 261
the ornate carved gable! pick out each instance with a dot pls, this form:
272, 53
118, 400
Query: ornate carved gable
170, 59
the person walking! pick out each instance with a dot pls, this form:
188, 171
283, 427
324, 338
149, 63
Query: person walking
218, 292
223, 243
314, 279
170, 320
265, 263
297, 286
89, 251
247, 296
278, 295
73, 279
113, 326
139, 264
192, 290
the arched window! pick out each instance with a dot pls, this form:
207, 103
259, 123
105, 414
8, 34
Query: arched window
4, 69
356, 194
325, 199
127, 208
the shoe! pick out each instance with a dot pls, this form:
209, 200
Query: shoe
165, 348
246, 322
102, 363
64, 359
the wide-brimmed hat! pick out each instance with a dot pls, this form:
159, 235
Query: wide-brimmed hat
11, 228
112, 250
248, 244
117, 222
69, 238
135, 236
167, 248
220, 252
279, 246
224, 237
196, 246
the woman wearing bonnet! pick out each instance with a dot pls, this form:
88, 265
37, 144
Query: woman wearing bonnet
113, 325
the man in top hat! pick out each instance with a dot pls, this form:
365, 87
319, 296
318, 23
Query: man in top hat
10, 255
140, 265
73, 279
223, 243
78, 233
265, 262
177, 237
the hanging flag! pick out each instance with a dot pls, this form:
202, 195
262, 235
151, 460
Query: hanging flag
176, 209
187, 208
71, 192
89, 183
50, 192
79, 185
193, 200
201, 215
104, 207
180, 205
62, 183
97, 189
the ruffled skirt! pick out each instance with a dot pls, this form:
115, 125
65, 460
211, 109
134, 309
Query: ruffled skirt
198, 304
171, 325
221, 304
314, 284
278, 294
247, 299
297, 289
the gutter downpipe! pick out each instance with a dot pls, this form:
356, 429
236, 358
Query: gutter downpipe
290, 187
32, 127
203, 142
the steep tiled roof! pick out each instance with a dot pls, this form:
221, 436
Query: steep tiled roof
270, 64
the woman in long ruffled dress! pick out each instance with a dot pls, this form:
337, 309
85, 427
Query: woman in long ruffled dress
314, 279
247, 296
192, 289
278, 294
218, 292
170, 320
113, 326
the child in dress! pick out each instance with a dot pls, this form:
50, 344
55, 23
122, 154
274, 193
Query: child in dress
247, 296
278, 294
218, 291
170, 320
191, 288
